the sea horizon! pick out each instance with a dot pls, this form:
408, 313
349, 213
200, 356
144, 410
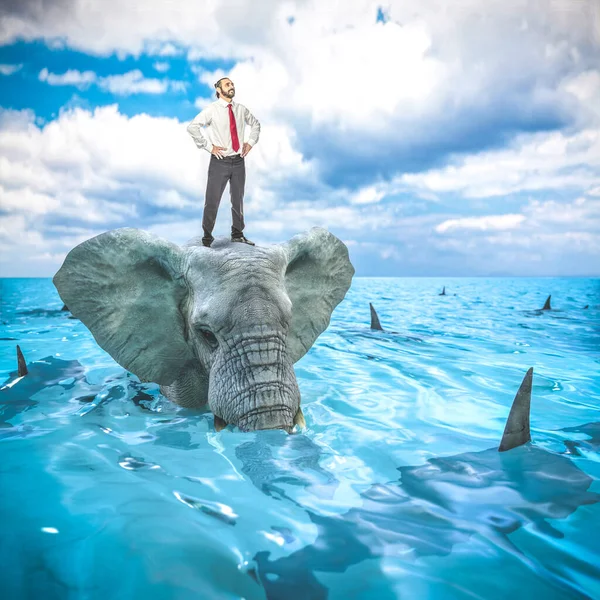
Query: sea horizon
415, 277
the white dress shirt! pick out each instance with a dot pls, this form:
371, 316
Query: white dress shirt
215, 117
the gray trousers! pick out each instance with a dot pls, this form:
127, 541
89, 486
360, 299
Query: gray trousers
220, 171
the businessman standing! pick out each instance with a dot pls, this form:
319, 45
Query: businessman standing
225, 120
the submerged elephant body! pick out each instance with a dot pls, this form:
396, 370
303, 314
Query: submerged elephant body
220, 326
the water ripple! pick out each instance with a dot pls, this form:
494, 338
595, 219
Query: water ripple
395, 488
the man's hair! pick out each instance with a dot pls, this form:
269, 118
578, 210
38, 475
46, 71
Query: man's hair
218, 85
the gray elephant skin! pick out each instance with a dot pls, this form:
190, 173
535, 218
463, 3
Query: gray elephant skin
218, 327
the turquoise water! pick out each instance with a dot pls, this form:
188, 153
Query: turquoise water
394, 490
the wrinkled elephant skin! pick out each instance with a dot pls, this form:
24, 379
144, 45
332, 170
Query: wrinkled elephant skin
219, 326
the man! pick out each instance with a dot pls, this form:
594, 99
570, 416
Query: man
226, 121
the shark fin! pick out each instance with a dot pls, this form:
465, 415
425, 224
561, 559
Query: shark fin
517, 432
547, 304
375, 324
21, 364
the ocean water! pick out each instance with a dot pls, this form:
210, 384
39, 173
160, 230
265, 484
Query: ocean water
394, 490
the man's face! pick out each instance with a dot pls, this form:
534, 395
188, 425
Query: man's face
227, 88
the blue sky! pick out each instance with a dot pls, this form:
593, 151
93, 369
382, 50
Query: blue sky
454, 142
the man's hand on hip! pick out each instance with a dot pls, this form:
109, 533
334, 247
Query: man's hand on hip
217, 151
247, 147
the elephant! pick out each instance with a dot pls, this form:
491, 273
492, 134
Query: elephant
216, 327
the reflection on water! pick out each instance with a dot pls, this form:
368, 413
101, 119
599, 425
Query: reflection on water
395, 489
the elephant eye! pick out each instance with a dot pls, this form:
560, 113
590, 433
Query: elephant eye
208, 335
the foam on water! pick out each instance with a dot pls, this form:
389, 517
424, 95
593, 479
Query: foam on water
395, 489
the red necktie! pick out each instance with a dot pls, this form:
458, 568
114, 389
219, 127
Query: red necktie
233, 129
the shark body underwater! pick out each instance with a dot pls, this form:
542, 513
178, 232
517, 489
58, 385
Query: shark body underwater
431, 507
426, 512
23, 389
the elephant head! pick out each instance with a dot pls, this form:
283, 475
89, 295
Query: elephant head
219, 326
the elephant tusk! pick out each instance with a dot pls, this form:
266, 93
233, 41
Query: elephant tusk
219, 423
299, 419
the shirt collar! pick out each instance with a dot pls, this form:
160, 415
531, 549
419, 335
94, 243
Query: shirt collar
225, 103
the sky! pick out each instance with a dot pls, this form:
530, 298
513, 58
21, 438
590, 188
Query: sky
433, 137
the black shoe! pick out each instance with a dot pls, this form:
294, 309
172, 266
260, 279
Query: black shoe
241, 238
207, 242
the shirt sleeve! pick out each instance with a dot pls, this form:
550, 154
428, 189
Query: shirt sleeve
202, 119
254, 126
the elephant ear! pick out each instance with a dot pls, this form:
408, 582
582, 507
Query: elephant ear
318, 275
126, 286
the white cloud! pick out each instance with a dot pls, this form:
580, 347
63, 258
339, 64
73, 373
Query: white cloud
101, 170
405, 72
367, 195
25, 199
550, 237
541, 161
335, 84
568, 159
73, 77
582, 214
179, 231
169, 198
132, 82
490, 222
13, 229
359, 61
87, 172
162, 49
9, 69
161, 66
201, 103
160, 28
302, 216
580, 240
344, 83
586, 88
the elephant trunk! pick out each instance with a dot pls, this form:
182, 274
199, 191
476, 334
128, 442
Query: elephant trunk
253, 384
273, 415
